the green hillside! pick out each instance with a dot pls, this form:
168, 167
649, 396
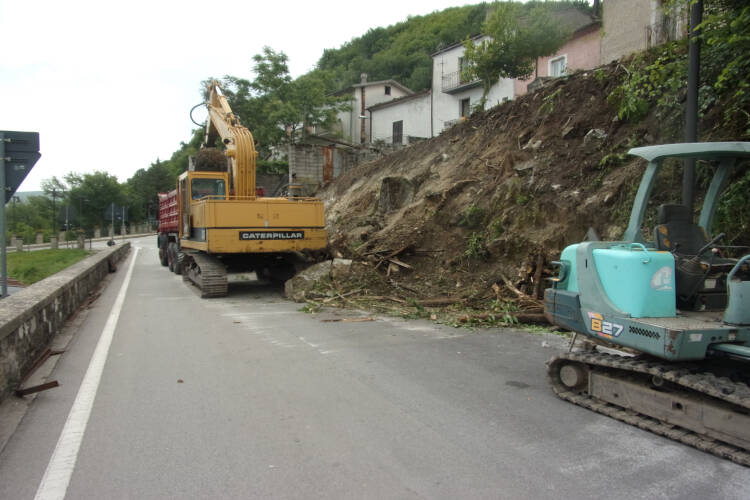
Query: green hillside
402, 51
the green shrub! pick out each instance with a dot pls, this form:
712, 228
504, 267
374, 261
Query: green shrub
472, 217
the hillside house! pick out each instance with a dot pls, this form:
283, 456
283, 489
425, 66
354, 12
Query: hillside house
633, 25
402, 120
353, 126
582, 51
453, 97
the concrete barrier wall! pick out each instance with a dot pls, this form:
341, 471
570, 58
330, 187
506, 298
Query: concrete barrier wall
30, 317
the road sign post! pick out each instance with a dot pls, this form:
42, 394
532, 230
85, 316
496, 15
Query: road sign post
19, 151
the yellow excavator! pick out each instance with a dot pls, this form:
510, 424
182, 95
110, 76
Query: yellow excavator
215, 223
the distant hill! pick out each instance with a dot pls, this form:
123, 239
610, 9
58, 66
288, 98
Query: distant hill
25, 195
403, 51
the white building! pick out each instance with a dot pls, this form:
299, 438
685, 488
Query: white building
354, 125
454, 98
401, 120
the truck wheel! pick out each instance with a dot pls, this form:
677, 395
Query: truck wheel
163, 256
171, 256
178, 257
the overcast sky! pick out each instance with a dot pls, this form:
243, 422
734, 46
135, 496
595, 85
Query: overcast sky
109, 85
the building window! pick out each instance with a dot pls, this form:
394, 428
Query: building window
387, 90
398, 132
465, 107
558, 66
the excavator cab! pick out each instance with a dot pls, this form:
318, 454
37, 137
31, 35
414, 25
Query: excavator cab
667, 297
210, 188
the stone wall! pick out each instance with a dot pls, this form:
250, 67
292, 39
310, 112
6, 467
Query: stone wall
31, 317
306, 161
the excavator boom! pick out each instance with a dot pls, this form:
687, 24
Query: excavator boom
238, 141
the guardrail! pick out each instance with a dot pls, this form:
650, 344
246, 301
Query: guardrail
31, 317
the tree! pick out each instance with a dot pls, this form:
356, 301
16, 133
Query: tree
30, 216
402, 51
93, 194
55, 189
274, 107
142, 188
516, 36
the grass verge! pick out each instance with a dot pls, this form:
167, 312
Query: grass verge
30, 267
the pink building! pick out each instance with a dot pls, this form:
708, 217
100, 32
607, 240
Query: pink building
582, 51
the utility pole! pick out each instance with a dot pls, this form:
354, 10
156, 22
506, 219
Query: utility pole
691, 106
54, 214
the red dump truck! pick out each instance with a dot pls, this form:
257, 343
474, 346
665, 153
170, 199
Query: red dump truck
169, 227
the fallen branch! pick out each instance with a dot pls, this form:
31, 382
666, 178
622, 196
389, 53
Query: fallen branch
381, 297
403, 287
342, 295
513, 288
533, 318
538, 274
347, 320
440, 301
399, 263
521, 318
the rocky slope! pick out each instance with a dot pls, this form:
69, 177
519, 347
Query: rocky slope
490, 201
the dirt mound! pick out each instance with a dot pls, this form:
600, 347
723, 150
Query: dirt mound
477, 214
210, 160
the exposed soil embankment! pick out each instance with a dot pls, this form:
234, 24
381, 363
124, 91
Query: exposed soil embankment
490, 201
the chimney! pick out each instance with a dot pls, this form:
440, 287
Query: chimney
363, 78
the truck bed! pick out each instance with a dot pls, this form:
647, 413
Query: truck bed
168, 216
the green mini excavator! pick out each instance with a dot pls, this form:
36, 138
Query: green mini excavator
678, 307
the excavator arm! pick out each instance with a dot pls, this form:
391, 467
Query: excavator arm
238, 141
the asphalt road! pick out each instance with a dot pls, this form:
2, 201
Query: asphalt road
248, 397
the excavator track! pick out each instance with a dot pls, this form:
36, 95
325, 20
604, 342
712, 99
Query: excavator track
205, 272
683, 379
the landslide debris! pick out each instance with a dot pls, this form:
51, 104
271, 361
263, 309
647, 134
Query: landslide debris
462, 228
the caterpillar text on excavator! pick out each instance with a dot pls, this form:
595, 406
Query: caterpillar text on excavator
680, 306
215, 223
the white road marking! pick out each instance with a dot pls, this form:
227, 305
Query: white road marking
308, 343
56, 478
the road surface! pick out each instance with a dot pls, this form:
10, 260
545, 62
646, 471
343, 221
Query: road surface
248, 397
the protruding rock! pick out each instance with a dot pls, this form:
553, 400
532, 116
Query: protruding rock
595, 135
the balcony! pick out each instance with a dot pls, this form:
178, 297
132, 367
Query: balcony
453, 82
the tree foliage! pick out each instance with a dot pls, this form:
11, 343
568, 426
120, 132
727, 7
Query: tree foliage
93, 194
273, 106
658, 78
402, 51
517, 35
